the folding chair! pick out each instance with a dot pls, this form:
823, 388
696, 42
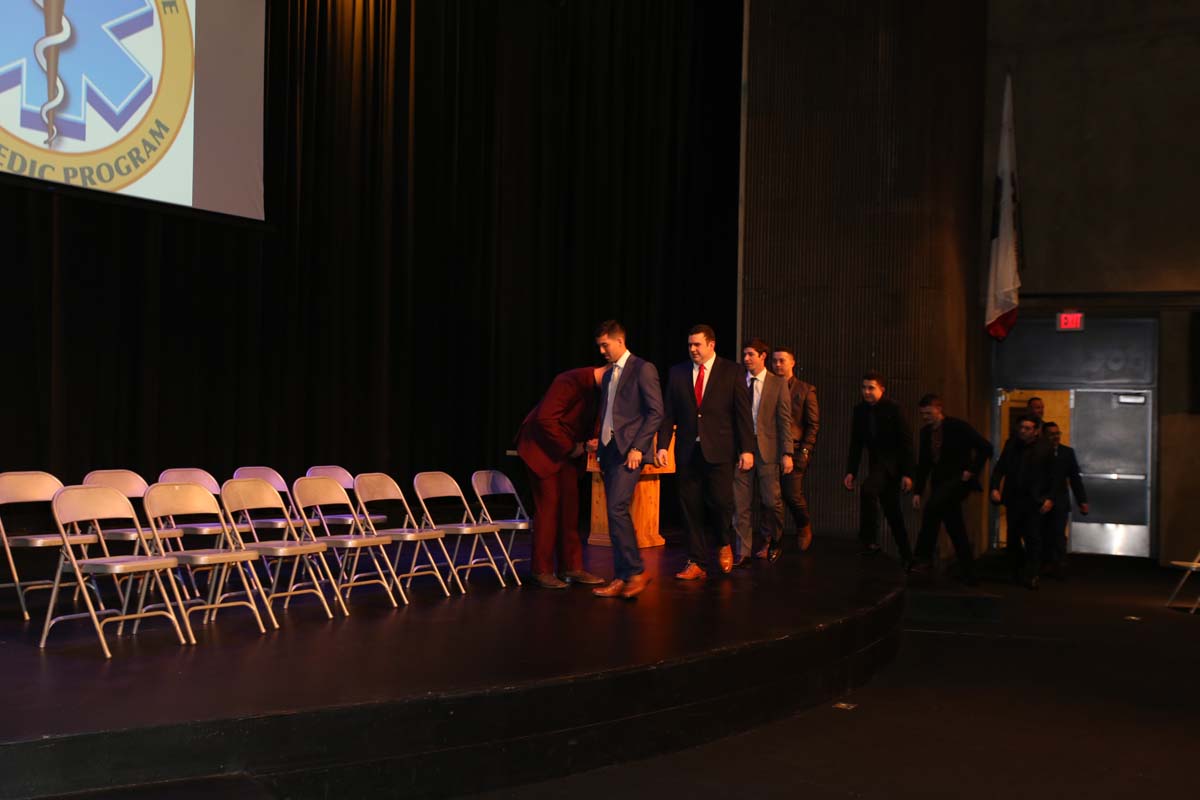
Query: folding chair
493, 483
372, 487
439, 486
321, 493
291, 513
30, 487
346, 481
163, 501
243, 495
195, 475
73, 505
133, 486
1189, 567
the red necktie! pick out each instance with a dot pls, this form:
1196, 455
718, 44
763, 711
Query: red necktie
699, 386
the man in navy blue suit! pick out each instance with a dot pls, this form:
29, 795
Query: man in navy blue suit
630, 412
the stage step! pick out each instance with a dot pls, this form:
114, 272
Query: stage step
951, 603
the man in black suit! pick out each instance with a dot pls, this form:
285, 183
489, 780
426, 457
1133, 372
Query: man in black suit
707, 406
806, 421
1023, 480
952, 455
879, 428
1054, 532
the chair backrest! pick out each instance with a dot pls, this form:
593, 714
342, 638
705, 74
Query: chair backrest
437, 485
319, 491
125, 481
339, 474
88, 503
28, 487
169, 499
373, 486
491, 482
190, 475
250, 494
264, 474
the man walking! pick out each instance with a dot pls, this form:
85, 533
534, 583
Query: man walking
630, 412
806, 420
1068, 481
952, 456
1023, 480
880, 429
771, 415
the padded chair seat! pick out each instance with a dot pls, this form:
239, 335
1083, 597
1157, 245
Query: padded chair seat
513, 524
131, 534
201, 529
412, 534
346, 519
352, 541
117, 565
197, 558
284, 549
467, 529
51, 539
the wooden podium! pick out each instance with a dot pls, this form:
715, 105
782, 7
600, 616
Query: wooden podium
645, 500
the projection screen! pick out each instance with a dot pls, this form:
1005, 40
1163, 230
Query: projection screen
157, 99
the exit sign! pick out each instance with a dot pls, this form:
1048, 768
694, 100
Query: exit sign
1070, 320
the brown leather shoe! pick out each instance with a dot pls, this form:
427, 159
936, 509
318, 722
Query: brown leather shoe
582, 576
635, 585
692, 572
611, 589
725, 558
547, 580
806, 537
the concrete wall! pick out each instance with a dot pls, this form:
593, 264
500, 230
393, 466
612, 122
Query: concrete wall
1107, 115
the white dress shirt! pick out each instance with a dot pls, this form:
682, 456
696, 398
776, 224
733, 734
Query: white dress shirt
757, 381
708, 367
606, 429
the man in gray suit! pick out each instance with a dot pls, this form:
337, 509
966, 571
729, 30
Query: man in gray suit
771, 407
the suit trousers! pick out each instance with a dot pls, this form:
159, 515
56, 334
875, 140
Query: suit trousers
556, 520
706, 486
619, 483
793, 494
1025, 539
766, 476
944, 507
1054, 533
880, 489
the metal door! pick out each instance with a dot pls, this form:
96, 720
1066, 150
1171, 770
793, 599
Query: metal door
1112, 433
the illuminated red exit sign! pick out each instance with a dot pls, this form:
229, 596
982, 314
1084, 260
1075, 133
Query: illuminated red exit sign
1070, 320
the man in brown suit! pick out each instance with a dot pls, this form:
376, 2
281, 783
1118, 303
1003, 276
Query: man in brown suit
771, 414
551, 442
806, 421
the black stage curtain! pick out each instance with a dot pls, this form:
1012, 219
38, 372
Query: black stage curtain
569, 161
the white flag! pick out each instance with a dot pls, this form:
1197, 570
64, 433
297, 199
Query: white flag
1004, 280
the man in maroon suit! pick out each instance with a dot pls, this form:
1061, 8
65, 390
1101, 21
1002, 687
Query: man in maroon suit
552, 443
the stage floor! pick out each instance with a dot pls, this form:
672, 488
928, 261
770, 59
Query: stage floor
490, 642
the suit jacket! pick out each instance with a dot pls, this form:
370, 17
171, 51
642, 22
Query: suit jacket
888, 441
774, 434
562, 419
1028, 472
806, 417
637, 408
1067, 472
722, 422
963, 450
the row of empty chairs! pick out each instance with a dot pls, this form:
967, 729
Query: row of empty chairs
254, 523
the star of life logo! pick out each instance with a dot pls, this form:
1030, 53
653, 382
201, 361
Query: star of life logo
92, 92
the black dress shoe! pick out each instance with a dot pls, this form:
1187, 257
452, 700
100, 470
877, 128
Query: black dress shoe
774, 553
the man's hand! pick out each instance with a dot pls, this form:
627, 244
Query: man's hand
592, 445
916, 502
906, 484
995, 495
1083, 509
634, 459
848, 482
967, 475
787, 464
577, 450
746, 462
1047, 505
660, 458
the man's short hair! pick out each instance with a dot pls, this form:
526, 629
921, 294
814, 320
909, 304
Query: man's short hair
610, 327
1029, 402
1049, 425
704, 330
872, 375
931, 400
758, 345
787, 350
1030, 418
